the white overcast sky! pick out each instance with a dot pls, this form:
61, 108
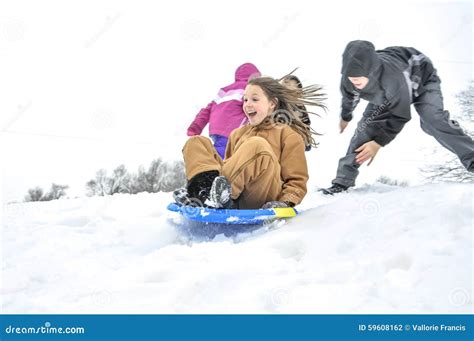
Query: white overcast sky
92, 84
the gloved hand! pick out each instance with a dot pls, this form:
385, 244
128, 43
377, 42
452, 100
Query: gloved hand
275, 204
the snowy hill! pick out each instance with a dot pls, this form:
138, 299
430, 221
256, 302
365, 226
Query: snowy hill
377, 249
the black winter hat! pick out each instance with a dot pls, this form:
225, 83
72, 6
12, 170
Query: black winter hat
360, 59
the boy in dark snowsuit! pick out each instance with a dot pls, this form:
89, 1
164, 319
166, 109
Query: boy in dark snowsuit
391, 80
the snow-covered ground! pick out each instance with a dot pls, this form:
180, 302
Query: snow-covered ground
377, 249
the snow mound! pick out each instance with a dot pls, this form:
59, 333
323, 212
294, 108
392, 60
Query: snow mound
377, 249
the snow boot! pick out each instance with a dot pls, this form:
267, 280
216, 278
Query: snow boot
335, 188
200, 185
181, 196
220, 193
208, 189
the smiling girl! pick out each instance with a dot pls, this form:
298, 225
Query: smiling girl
265, 164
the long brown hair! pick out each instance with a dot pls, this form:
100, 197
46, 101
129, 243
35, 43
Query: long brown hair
288, 104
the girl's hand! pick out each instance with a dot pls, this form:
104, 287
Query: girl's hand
367, 151
275, 204
342, 125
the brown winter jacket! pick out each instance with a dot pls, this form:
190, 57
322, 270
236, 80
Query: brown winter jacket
289, 148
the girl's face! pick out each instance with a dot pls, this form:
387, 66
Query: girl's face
256, 105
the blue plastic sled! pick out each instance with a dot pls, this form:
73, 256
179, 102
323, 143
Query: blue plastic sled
232, 217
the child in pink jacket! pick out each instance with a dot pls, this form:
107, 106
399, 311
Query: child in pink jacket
225, 113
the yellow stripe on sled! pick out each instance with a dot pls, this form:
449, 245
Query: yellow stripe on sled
284, 212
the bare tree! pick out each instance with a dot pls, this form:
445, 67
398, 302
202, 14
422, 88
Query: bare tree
173, 176
100, 185
154, 174
34, 194
139, 182
120, 180
466, 102
56, 192
159, 177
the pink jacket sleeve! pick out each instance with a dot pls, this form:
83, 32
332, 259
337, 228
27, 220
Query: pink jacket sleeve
202, 118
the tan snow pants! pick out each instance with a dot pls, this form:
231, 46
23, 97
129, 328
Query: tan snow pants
253, 169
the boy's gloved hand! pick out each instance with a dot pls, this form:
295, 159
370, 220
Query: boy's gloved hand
275, 204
